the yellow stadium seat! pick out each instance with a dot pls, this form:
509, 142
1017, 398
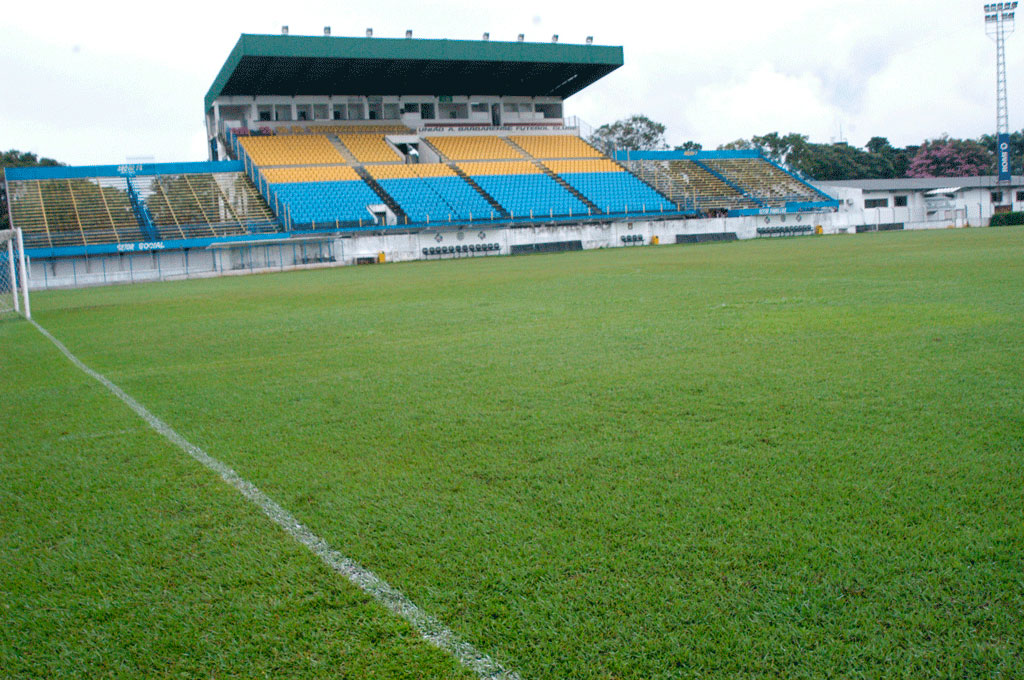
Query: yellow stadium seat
556, 146
369, 148
291, 150
476, 147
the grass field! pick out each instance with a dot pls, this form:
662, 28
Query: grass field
798, 458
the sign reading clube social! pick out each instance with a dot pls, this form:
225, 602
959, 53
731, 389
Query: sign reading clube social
1004, 157
131, 247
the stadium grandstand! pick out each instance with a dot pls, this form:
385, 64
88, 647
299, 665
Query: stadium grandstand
330, 143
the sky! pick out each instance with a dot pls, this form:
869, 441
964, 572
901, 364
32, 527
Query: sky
102, 82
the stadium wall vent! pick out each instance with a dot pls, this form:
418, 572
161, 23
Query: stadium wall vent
885, 226
548, 247
706, 238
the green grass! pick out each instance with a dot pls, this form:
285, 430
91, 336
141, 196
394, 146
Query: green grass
794, 458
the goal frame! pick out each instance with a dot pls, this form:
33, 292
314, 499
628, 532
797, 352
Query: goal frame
11, 240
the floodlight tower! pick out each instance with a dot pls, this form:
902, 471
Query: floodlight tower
999, 23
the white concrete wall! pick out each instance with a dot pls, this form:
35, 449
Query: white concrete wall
296, 254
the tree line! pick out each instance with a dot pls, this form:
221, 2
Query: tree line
878, 159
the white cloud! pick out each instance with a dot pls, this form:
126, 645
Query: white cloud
711, 72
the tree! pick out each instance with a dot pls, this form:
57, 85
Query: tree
1016, 148
945, 157
689, 146
16, 159
897, 159
636, 133
781, 149
736, 145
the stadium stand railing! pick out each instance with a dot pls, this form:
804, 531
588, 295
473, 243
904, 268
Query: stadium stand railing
74, 211
726, 182
657, 175
765, 181
68, 207
203, 205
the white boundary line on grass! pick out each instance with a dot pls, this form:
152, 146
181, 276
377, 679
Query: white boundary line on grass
429, 628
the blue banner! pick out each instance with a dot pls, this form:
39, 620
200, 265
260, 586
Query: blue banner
1004, 157
125, 169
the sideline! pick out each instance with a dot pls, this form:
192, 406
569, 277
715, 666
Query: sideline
429, 628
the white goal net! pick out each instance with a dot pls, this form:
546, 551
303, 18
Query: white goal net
13, 281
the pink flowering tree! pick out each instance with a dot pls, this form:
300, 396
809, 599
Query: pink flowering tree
945, 157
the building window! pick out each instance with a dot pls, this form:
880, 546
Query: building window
427, 111
1020, 195
478, 107
997, 196
550, 110
899, 201
876, 202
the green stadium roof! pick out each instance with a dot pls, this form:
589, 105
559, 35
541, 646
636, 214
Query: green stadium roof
322, 65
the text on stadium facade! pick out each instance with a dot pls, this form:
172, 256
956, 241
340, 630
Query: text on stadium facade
129, 247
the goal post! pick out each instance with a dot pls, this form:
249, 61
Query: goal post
13, 275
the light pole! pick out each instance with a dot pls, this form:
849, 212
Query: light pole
999, 23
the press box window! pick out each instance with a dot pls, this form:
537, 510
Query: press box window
876, 202
899, 201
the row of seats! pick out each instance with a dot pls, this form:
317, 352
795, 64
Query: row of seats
87, 211
201, 205
632, 238
471, 248
689, 183
482, 147
379, 172
574, 166
315, 173
326, 202
618, 192
434, 199
369, 148
523, 167
764, 180
291, 150
531, 195
556, 146
67, 212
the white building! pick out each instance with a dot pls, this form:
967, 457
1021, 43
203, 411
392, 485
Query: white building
960, 201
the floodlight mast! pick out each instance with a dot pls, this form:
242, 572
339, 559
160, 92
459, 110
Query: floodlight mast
999, 23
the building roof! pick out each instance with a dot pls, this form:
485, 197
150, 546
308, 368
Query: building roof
324, 65
923, 183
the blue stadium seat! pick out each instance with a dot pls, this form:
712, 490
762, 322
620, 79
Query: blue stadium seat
327, 202
618, 192
521, 194
437, 199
